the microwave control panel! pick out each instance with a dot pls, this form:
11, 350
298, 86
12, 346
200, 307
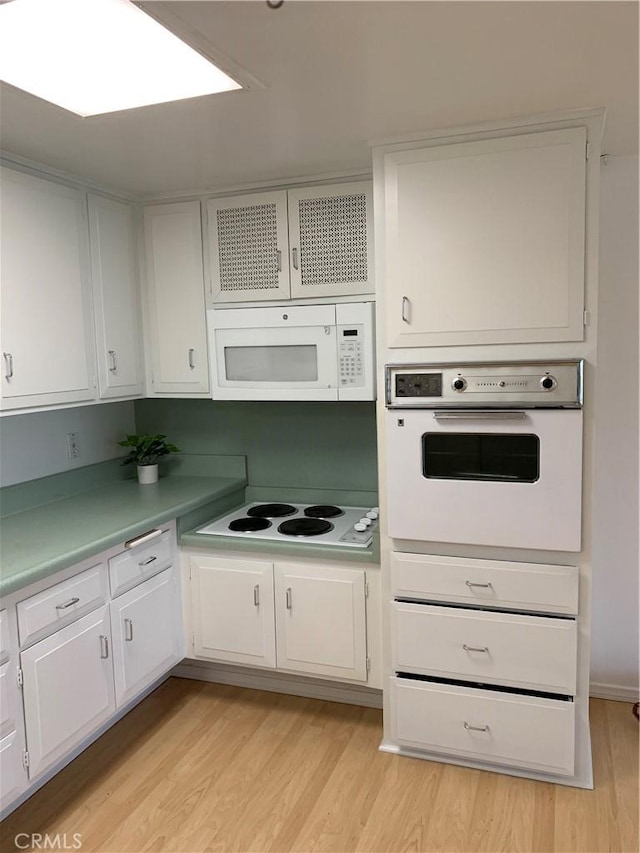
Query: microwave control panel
351, 356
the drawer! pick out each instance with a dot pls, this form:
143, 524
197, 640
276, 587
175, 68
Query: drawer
513, 586
143, 557
41, 614
532, 652
487, 726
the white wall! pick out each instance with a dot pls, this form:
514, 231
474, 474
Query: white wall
614, 651
35, 444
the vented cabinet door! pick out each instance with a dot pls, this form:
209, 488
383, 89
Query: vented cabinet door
331, 240
249, 247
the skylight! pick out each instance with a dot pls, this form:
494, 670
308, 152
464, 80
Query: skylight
99, 56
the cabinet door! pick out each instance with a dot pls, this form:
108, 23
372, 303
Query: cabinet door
115, 295
46, 325
248, 245
484, 241
68, 688
232, 606
331, 240
175, 295
13, 774
144, 625
320, 620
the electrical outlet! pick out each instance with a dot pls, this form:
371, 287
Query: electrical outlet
73, 445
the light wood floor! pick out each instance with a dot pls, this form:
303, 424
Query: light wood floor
204, 767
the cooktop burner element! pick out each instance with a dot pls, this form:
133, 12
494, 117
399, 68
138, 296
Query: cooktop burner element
323, 511
305, 527
271, 510
249, 525
350, 526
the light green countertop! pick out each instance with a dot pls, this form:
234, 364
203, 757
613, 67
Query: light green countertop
40, 541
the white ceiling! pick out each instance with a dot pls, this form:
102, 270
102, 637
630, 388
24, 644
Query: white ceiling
339, 74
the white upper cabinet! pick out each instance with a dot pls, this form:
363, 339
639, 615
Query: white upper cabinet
484, 241
248, 247
177, 339
304, 243
47, 325
115, 294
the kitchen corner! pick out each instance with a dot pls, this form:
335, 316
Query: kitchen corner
96, 507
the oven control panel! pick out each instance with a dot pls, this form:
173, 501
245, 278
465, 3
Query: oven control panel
361, 533
526, 384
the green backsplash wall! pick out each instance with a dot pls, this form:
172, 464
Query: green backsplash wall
316, 445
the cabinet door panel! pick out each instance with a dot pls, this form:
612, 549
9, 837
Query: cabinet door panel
249, 247
233, 617
320, 620
484, 241
68, 688
145, 635
331, 240
115, 293
46, 324
175, 289
13, 774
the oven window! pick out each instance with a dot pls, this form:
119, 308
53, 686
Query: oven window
272, 363
508, 458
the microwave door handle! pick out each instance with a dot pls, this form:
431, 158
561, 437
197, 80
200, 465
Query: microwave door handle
480, 415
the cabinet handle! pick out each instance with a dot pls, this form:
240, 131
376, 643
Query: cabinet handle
69, 603
191, 362
256, 595
484, 650
128, 630
279, 259
471, 584
113, 367
294, 257
288, 598
144, 537
8, 360
104, 647
405, 309
147, 561
476, 728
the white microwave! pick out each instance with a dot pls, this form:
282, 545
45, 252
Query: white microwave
293, 352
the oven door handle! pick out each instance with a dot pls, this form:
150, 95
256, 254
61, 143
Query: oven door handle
480, 415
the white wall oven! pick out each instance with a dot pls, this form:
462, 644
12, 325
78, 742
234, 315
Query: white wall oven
293, 352
486, 454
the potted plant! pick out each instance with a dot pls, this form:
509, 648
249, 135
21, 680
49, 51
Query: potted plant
145, 452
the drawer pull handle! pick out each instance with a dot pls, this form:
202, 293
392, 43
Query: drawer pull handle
128, 630
147, 561
144, 537
476, 728
471, 584
288, 598
104, 647
69, 603
256, 595
484, 650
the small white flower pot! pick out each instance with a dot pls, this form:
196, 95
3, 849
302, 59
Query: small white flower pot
147, 474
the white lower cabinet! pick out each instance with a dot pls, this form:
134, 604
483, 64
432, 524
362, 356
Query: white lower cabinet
68, 688
13, 772
475, 678
145, 636
488, 726
320, 621
232, 607
300, 618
